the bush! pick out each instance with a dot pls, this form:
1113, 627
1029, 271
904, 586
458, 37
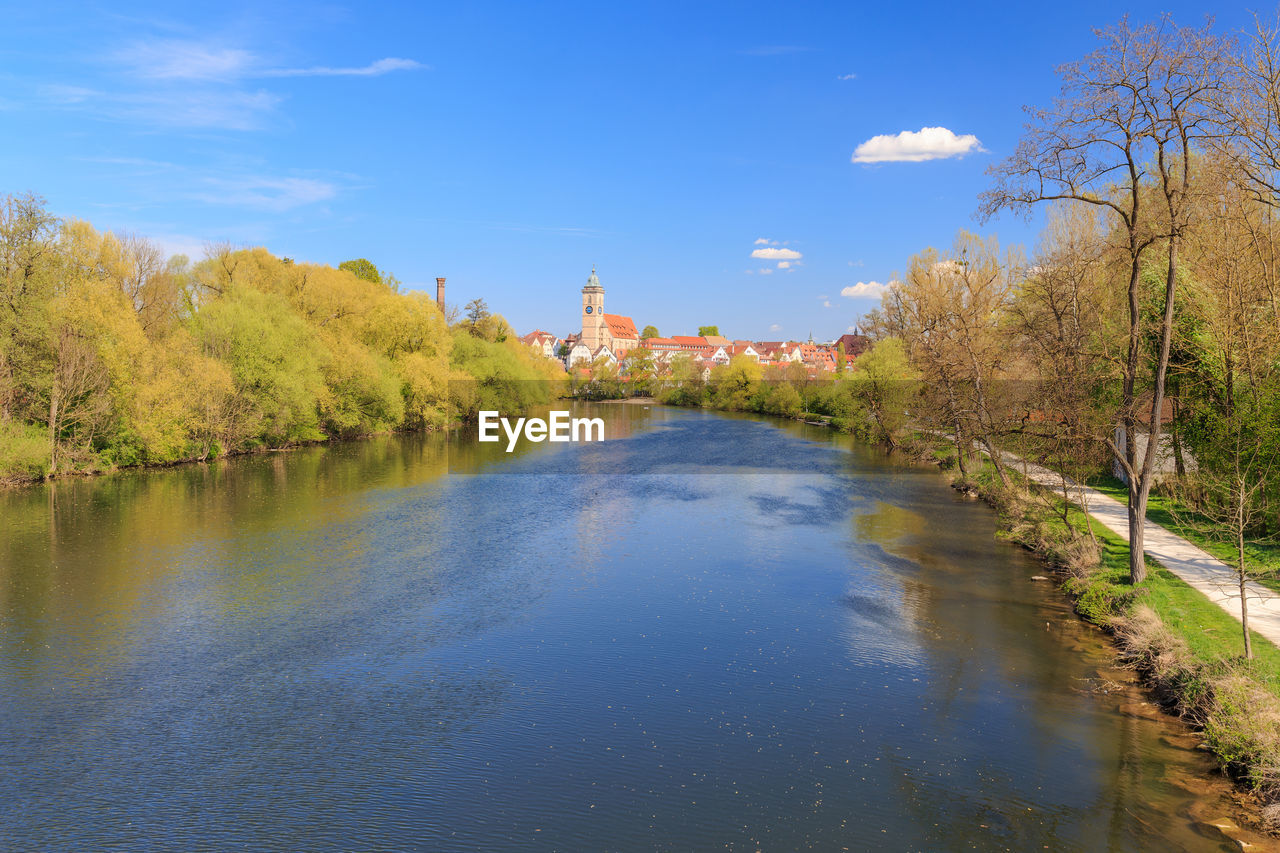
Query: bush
24, 451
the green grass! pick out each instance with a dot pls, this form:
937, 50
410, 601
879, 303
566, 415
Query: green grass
1213, 636
1262, 558
24, 451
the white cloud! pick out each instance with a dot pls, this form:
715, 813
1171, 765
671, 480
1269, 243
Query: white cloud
864, 290
784, 265
847, 77
777, 254
826, 304
775, 328
766, 271
762, 241
928, 143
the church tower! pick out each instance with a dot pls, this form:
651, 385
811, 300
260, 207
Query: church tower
593, 313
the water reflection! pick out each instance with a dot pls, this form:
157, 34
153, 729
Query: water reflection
767, 638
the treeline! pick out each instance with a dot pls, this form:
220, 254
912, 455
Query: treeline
869, 399
1141, 335
1148, 319
112, 354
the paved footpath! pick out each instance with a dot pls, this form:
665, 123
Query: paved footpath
1199, 569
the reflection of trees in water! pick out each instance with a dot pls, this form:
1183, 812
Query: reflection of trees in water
988, 631
84, 559
296, 623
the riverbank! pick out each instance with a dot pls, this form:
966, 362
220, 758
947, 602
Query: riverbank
1187, 649
12, 480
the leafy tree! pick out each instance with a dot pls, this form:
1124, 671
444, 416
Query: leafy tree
28, 274
649, 332
779, 398
275, 361
361, 268
883, 384
704, 331
684, 386
477, 312
735, 384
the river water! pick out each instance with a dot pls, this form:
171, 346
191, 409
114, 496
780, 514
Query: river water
709, 632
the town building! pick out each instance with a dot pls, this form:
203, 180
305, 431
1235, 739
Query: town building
544, 342
614, 331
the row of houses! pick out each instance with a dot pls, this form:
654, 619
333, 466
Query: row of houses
613, 337
707, 351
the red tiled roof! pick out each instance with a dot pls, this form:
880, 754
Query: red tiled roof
621, 327
689, 342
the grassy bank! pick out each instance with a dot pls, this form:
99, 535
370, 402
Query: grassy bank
1188, 648
1263, 558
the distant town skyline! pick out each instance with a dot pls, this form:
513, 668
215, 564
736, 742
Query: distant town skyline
766, 169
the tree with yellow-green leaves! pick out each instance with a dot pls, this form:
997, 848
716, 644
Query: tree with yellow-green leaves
112, 354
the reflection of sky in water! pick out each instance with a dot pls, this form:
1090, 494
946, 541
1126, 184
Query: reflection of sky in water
761, 639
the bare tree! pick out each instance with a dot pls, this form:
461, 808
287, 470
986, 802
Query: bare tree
1061, 315
1128, 125
948, 308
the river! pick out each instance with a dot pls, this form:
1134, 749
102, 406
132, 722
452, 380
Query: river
708, 632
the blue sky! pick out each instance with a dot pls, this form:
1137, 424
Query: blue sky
512, 146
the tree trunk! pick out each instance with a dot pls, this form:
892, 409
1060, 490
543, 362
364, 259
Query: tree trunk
1137, 514
1137, 526
1244, 601
1179, 465
1140, 485
1241, 497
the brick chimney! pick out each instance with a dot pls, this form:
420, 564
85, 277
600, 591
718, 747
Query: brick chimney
440, 293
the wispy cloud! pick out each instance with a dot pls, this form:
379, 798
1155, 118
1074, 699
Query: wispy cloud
373, 69
846, 76
175, 59
179, 59
225, 109
228, 186
928, 143
186, 83
265, 192
775, 328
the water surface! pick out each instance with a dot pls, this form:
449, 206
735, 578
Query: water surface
771, 639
